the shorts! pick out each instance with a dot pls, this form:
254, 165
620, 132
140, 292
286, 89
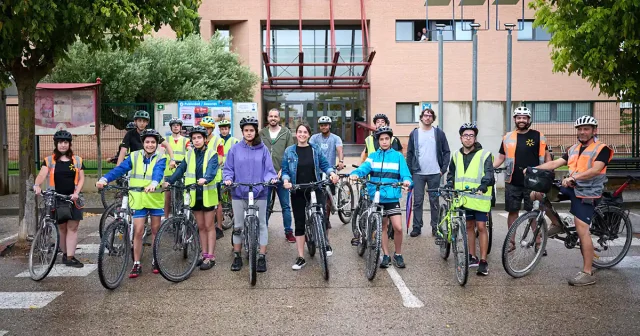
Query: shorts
76, 215
391, 209
583, 209
513, 197
478, 216
143, 213
200, 207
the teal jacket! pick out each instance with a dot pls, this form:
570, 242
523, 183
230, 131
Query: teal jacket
386, 167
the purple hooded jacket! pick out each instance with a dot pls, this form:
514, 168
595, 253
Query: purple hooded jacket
248, 164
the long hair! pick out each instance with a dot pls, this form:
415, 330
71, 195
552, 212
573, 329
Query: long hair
57, 154
305, 125
257, 140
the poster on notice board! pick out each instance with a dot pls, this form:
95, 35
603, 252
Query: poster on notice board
192, 111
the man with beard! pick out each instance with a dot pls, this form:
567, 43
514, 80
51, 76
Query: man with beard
520, 149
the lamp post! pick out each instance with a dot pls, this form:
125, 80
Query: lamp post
474, 72
509, 28
440, 28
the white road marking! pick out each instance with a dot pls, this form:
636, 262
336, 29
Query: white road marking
87, 248
3, 332
94, 234
7, 239
408, 299
60, 270
26, 300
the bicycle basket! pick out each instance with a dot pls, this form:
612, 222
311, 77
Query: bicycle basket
64, 211
539, 180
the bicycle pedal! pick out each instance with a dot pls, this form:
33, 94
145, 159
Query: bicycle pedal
439, 241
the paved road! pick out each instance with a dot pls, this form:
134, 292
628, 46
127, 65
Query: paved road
299, 302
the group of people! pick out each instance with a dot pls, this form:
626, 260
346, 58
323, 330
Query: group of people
276, 155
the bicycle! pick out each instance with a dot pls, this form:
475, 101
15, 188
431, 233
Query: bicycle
112, 209
107, 200
452, 227
251, 228
606, 233
363, 204
180, 234
44, 247
117, 241
315, 232
224, 198
343, 201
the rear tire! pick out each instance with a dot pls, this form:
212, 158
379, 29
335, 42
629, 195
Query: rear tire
115, 248
346, 202
445, 247
614, 223
362, 223
44, 250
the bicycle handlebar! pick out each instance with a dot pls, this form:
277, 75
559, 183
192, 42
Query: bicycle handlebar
311, 184
238, 184
454, 191
179, 187
53, 193
114, 187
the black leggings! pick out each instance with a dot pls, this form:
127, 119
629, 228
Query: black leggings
299, 199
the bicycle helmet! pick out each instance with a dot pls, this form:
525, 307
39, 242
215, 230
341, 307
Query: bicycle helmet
224, 122
468, 126
141, 115
586, 120
62, 135
208, 122
130, 126
324, 120
150, 133
380, 116
384, 130
248, 121
198, 129
522, 111
174, 121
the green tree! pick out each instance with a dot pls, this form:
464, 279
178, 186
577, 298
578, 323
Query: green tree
36, 34
597, 40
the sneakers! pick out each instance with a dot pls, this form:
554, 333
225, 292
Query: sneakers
355, 241
290, 237
73, 262
156, 270
64, 258
554, 230
483, 268
415, 232
207, 264
329, 251
237, 263
582, 279
385, 261
398, 261
219, 233
135, 271
473, 261
262, 263
300, 263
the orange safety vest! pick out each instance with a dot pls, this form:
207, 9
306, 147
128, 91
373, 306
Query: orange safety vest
578, 163
51, 165
510, 142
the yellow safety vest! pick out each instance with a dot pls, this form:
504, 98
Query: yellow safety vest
371, 148
213, 144
179, 150
141, 178
209, 191
471, 179
227, 145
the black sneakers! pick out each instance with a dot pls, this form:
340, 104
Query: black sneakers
473, 261
262, 263
73, 262
483, 268
237, 263
219, 233
300, 263
415, 232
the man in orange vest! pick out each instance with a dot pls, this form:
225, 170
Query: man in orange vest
587, 163
520, 149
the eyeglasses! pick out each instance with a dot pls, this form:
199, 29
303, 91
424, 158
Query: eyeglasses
468, 136
428, 115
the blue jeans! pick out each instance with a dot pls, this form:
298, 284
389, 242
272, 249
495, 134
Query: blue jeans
285, 203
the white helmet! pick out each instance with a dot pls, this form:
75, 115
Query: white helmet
324, 120
586, 120
522, 111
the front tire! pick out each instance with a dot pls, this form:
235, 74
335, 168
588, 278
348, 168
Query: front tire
253, 249
374, 238
44, 250
318, 224
524, 233
114, 254
461, 250
177, 244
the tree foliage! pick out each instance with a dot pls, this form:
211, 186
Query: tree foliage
597, 40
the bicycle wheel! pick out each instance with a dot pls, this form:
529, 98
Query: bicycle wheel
460, 250
227, 217
611, 234
253, 248
318, 224
445, 245
107, 217
44, 250
490, 232
176, 248
374, 237
362, 223
310, 239
345, 202
113, 254
521, 257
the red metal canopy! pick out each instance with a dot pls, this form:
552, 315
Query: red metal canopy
67, 86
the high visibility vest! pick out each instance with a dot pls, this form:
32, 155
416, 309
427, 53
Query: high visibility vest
209, 191
227, 145
51, 165
510, 142
472, 178
213, 142
578, 163
371, 148
141, 178
179, 151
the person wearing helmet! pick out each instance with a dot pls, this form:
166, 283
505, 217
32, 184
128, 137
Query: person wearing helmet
587, 161
133, 142
201, 165
179, 146
130, 126
66, 177
371, 142
249, 161
210, 124
277, 139
428, 157
521, 148
465, 167
148, 161
224, 126
215, 142
386, 165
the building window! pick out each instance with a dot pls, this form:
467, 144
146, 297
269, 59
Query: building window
559, 111
528, 33
407, 113
413, 30
223, 30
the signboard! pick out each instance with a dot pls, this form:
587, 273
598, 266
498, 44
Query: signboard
164, 112
71, 110
243, 110
192, 111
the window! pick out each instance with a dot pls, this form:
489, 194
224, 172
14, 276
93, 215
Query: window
407, 113
224, 34
528, 33
559, 111
412, 30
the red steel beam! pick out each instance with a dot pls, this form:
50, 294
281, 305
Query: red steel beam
265, 59
314, 87
336, 57
366, 67
319, 64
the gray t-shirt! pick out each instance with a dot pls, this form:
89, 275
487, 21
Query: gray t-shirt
328, 146
427, 152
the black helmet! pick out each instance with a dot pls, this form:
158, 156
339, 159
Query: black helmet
248, 121
384, 130
131, 126
62, 135
175, 121
468, 126
381, 116
198, 129
141, 114
150, 133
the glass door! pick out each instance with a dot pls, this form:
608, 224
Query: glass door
336, 110
294, 115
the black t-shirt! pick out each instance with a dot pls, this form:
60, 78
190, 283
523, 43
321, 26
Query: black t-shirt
395, 144
306, 168
64, 176
133, 142
603, 156
527, 155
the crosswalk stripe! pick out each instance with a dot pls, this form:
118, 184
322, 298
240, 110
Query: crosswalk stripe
26, 300
3, 332
59, 270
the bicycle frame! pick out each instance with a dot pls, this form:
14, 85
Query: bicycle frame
454, 203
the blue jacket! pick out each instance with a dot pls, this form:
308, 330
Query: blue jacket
209, 175
127, 165
290, 164
385, 166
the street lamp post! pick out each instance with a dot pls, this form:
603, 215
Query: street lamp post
474, 74
509, 27
440, 28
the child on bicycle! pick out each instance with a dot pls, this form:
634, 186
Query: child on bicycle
387, 165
